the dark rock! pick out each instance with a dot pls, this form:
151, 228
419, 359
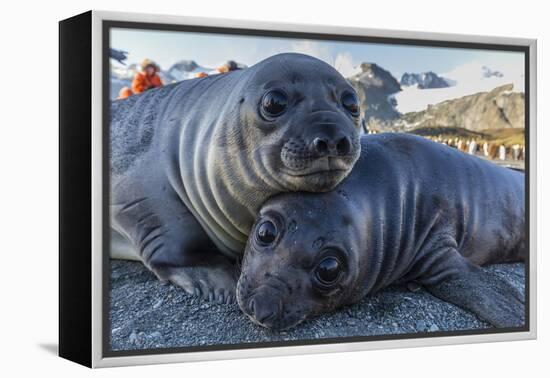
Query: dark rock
375, 86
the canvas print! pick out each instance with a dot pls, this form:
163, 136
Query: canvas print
282, 190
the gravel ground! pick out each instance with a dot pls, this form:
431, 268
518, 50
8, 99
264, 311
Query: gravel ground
146, 314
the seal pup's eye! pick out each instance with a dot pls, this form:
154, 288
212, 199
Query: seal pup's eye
350, 103
274, 103
328, 271
266, 232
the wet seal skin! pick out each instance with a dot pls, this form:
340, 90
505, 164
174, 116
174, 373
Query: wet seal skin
411, 211
191, 163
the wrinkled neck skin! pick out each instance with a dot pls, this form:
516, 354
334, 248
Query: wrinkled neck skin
391, 241
221, 182
236, 185
387, 222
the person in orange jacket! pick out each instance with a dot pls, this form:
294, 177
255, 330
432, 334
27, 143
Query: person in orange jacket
144, 80
229, 66
147, 78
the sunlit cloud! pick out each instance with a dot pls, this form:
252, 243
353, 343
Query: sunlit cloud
342, 62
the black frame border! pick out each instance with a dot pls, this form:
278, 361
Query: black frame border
107, 25
75, 194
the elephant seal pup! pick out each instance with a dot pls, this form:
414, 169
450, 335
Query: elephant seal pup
411, 211
191, 163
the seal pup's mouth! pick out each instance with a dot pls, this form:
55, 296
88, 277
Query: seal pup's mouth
267, 311
323, 165
317, 166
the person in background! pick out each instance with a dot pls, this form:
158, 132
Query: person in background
502, 152
229, 66
147, 79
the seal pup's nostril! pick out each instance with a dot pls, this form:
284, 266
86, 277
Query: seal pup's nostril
343, 146
320, 146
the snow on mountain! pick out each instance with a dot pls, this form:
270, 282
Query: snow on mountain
424, 80
469, 79
187, 69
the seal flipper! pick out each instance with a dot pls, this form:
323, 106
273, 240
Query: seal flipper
172, 244
486, 294
215, 281
121, 248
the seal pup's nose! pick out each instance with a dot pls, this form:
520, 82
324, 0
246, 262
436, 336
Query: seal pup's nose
323, 146
264, 310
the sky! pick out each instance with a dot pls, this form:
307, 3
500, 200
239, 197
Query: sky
211, 50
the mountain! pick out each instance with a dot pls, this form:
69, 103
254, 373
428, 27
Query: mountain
186, 69
376, 87
379, 91
184, 65
424, 80
500, 108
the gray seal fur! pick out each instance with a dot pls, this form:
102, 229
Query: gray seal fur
411, 211
191, 163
